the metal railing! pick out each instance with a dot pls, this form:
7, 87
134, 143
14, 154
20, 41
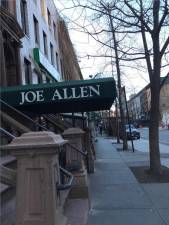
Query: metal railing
37, 124
2, 130
8, 176
62, 187
23, 115
64, 171
76, 149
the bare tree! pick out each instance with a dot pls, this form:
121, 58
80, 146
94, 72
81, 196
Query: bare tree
152, 19
143, 36
102, 30
108, 9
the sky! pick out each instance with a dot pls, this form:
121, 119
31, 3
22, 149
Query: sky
132, 78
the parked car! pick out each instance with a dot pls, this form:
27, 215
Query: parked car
135, 134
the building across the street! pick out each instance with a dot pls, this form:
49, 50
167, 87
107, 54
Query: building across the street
139, 104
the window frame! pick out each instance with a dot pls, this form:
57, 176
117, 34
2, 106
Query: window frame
5, 4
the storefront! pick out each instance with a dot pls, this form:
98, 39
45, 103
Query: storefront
61, 97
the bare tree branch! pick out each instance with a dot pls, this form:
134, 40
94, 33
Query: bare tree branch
141, 19
166, 44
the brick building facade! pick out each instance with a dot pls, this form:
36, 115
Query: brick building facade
139, 104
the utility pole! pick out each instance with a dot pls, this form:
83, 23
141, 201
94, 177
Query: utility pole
128, 118
117, 123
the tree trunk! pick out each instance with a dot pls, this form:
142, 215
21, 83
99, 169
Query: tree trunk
155, 164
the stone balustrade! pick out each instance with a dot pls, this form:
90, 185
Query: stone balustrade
37, 155
76, 163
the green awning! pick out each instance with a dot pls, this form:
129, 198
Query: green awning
69, 96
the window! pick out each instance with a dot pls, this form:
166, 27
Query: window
57, 61
24, 16
39, 80
49, 17
27, 68
4, 3
47, 80
36, 30
54, 30
45, 44
51, 54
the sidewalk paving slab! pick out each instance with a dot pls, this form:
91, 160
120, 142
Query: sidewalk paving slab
119, 196
158, 193
116, 197
125, 217
109, 177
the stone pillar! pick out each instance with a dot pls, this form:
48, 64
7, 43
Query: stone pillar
75, 162
37, 176
74, 159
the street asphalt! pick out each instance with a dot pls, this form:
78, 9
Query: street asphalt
116, 197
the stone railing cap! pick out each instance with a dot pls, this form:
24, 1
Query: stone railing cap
41, 139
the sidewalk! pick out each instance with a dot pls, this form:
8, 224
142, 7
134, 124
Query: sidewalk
116, 196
